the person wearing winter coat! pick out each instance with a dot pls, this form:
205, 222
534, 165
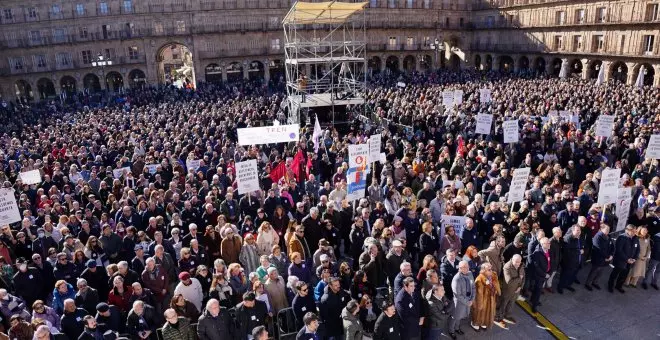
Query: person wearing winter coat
142, 321
266, 238
438, 311
230, 247
12, 305
464, 294
213, 325
388, 324
493, 254
250, 313
352, 325
514, 278
275, 287
487, 290
62, 291
27, 282
191, 289
249, 256
602, 252
176, 327
332, 302
408, 306
303, 303
43, 312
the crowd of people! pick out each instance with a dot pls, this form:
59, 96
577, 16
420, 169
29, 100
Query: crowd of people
122, 239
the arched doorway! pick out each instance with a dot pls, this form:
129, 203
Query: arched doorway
409, 63
556, 67
46, 88
426, 63
489, 62
114, 81
277, 70
68, 84
91, 83
619, 72
477, 62
576, 68
256, 70
648, 72
213, 73
539, 65
23, 90
137, 79
234, 71
506, 64
175, 65
374, 64
594, 69
454, 62
523, 64
392, 63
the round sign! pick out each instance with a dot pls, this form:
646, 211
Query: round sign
359, 159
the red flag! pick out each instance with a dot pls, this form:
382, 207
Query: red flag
296, 165
278, 172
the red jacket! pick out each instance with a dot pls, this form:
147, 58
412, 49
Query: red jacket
122, 301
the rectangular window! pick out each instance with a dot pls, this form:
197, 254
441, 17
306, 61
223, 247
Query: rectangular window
427, 4
158, 27
558, 42
32, 12
40, 61
392, 42
577, 43
490, 21
410, 41
181, 26
447, 22
560, 18
598, 43
16, 63
128, 6
579, 16
652, 12
8, 14
427, 41
63, 59
601, 14
391, 3
275, 44
622, 44
35, 37
103, 8
409, 3
649, 42
109, 53
87, 57
373, 3
56, 9
83, 32
80, 9
59, 35
133, 53
461, 21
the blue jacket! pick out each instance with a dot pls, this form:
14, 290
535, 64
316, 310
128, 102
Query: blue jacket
58, 298
626, 248
469, 238
409, 307
603, 247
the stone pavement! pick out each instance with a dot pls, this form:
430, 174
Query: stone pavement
587, 315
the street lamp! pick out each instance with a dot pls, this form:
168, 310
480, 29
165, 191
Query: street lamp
438, 47
102, 62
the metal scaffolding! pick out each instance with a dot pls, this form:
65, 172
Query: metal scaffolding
325, 56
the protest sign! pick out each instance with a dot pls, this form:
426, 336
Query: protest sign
484, 123
447, 98
247, 176
117, 173
511, 131
518, 185
9, 212
152, 168
609, 186
358, 159
484, 96
31, 177
458, 222
374, 148
458, 97
193, 164
604, 126
268, 134
653, 148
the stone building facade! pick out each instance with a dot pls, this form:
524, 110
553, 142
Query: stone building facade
49, 47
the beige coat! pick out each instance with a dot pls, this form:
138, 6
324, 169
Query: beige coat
277, 294
639, 267
485, 302
492, 255
513, 279
266, 240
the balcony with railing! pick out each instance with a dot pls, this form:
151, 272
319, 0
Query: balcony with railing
509, 48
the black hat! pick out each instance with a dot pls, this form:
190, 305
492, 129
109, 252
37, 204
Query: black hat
102, 307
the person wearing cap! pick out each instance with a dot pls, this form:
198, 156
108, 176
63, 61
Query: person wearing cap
108, 318
191, 289
176, 327
250, 313
396, 256
324, 249
96, 277
27, 282
138, 262
326, 263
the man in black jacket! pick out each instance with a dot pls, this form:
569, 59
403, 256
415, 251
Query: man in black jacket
72, 320
86, 297
108, 318
388, 324
97, 278
541, 268
408, 306
332, 302
653, 270
212, 325
142, 321
571, 258
602, 252
625, 254
250, 313
449, 269
27, 282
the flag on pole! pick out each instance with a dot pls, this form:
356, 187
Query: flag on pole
640, 77
316, 135
277, 172
601, 75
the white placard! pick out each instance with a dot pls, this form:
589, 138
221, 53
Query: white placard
518, 185
458, 222
484, 123
247, 176
458, 97
484, 96
193, 164
358, 155
383, 158
511, 131
609, 186
117, 173
9, 212
356, 177
31, 177
624, 193
374, 148
401, 84
152, 168
653, 148
447, 98
622, 213
268, 134
604, 126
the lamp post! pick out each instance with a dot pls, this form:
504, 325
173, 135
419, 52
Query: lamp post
102, 62
438, 47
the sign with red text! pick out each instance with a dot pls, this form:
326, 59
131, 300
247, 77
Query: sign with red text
269, 134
